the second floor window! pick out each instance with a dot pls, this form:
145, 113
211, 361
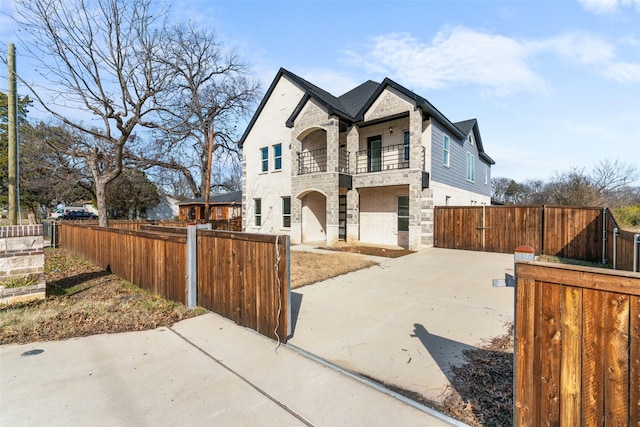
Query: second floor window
264, 156
277, 157
471, 167
405, 147
447, 151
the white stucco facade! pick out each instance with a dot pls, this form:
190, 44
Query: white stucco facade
356, 168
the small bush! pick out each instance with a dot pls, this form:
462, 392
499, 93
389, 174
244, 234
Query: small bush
628, 216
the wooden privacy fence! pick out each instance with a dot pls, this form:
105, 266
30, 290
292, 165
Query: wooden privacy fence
577, 348
152, 261
568, 232
242, 276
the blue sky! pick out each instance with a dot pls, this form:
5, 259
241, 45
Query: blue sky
553, 84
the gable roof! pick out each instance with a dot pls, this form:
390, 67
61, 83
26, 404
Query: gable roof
352, 105
233, 197
469, 126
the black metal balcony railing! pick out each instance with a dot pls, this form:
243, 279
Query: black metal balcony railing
381, 159
316, 161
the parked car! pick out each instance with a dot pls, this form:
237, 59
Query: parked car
64, 210
78, 215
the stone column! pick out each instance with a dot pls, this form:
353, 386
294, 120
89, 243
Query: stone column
330, 181
415, 138
415, 217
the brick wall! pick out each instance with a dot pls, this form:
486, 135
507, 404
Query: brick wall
21, 251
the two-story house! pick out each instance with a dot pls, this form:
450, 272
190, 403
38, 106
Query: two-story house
364, 167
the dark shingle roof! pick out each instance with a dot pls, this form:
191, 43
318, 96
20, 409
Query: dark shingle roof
352, 105
357, 97
234, 197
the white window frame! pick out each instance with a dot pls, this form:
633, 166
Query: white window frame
471, 167
446, 144
277, 158
406, 146
257, 212
286, 215
402, 216
264, 160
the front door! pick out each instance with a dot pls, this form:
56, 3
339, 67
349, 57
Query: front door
374, 153
342, 218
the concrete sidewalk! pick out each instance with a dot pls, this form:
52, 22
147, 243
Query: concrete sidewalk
200, 372
407, 320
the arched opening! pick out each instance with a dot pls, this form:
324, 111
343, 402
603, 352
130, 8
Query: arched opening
313, 154
314, 217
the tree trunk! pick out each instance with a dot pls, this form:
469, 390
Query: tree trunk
101, 199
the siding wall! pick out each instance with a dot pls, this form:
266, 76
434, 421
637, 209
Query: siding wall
456, 174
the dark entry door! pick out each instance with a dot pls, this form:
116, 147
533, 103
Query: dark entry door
342, 218
374, 153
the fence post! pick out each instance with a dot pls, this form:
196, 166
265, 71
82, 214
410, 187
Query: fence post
192, 268
636, 245
604, 236
616, 231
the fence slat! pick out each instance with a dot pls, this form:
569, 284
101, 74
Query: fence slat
617, 379
593, 358
634, 356
570, 363
550, 345
525, 403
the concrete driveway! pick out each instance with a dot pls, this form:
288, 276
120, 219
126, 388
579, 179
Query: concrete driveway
407, 320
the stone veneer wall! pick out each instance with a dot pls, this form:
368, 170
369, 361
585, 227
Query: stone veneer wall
21, 251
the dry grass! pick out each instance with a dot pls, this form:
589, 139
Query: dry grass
84, 300
310, 267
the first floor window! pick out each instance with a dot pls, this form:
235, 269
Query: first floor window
286, 212
257, 212
447, 148
264, 156
277, 157
405, 146
403, 213
471, 167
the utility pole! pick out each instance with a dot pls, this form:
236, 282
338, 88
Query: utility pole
13, 137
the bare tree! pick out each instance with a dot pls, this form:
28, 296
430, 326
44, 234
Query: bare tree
213, 92
101, 57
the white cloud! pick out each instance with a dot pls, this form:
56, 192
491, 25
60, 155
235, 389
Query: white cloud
457, 56
334, 82
608, 7
499, 64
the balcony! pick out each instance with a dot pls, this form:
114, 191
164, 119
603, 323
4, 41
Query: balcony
387, 158
315, 161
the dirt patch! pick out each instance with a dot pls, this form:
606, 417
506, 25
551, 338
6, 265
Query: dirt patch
84, 300
311, 267
370, 250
